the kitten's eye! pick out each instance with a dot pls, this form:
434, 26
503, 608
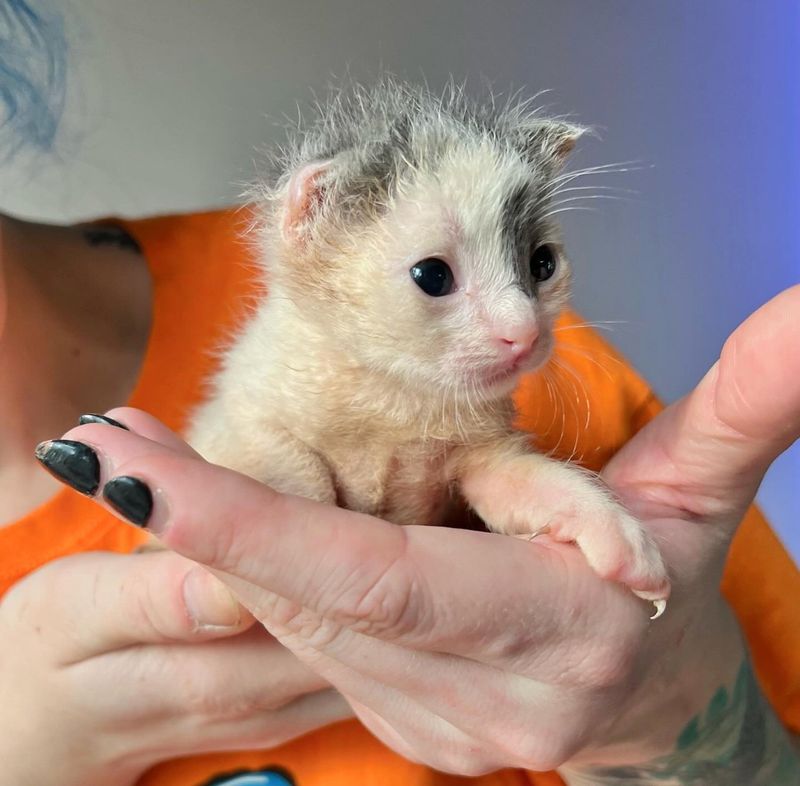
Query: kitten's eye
433, 276
543, 263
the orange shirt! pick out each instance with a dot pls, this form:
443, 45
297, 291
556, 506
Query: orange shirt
204, 283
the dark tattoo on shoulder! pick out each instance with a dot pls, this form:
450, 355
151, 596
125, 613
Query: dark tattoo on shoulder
737, 741
111, 236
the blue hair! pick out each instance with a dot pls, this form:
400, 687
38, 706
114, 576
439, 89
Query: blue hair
33, 55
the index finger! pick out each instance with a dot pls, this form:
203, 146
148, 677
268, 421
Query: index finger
430, 587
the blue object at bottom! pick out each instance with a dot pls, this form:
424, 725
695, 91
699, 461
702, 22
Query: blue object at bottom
263, 778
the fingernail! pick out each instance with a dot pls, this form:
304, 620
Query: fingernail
209, 602
130, 498
72, 463
103, 420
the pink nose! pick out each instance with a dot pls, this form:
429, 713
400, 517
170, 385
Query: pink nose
518, 339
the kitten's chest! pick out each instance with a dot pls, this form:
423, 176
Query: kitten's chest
405, 484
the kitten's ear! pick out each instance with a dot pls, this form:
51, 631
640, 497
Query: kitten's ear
550, 141
305, 194
557, 139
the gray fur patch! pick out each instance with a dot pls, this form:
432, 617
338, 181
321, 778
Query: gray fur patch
381, 137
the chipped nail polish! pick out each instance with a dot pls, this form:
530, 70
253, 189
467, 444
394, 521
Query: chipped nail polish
72, 463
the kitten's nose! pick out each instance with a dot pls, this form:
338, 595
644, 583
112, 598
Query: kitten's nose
518, 339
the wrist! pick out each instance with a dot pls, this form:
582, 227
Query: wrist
697, 716
684, 661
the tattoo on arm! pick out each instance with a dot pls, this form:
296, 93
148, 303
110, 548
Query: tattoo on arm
111, 236
737, 741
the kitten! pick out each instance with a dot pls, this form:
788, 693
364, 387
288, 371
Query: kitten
414, 275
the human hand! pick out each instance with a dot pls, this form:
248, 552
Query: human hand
470, 651
111, 663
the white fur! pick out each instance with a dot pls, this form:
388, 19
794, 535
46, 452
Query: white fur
351, 385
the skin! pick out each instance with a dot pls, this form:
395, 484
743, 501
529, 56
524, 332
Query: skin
470, 651
208, 685
476, 672
78, 325
185, 638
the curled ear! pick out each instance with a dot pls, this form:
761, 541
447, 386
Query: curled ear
304, 197
558, 139
551, 140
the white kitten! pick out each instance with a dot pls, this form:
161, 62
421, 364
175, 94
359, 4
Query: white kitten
414, 274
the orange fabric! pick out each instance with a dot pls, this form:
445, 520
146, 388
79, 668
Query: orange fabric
589, 405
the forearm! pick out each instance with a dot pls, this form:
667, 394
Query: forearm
732, 738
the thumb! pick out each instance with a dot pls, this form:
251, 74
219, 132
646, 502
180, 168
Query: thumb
707, 454
90, 604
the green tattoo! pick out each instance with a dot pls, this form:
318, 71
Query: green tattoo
738, 741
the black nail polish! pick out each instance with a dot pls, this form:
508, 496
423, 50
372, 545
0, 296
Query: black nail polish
103, 420
72, 463
130, 498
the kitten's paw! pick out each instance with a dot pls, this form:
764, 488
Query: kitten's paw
527, 494
617, 548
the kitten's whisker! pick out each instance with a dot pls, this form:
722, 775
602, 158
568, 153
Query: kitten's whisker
617, 189
552, 391
569, 200
578, 197
593, 358
600, 324
573, 209
604, 169
556, 380
579, 386
617, 166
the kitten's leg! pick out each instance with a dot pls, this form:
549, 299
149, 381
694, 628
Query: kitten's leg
518, 492
266, 452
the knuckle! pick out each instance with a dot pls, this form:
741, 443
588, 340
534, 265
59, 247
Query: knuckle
464, 758
469, 766
200, 699
458, 752
386, 603
549, 758
209, 698
542, 749
531, 745
201, 694
219, 705
385, 606
310, 633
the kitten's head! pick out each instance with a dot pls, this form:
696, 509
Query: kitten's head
414, 229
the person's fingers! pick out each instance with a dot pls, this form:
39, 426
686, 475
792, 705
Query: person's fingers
424, 738
252, 730
151, 428
243, 691
398, 708
217, 679
399, 583
459, 691
89, 604
706, 455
